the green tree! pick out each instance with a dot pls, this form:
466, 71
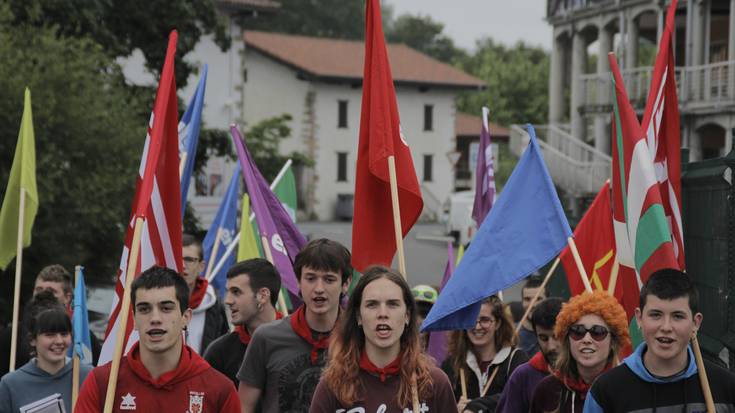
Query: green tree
517, 80
425, 35
320, 18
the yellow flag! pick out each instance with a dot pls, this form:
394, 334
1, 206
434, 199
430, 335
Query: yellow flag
460, 253
248, 247
22, 178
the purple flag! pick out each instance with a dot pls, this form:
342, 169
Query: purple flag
484, 174
438, 339
274, 223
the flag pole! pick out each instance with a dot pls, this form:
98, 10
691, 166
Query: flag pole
236, 240
182, 164
123, 315
215, 249
538, 294
414, 388
18, 271
613, 276
281, 300
580, 267
75, 359
703, 380
397, 215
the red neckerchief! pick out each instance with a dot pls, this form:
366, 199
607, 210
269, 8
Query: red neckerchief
242, 332
197, 295
190, 364
301, 327
578, 385
392, 369
539, 363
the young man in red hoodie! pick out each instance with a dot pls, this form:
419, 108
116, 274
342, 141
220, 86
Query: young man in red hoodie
160, 373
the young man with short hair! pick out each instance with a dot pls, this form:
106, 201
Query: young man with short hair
285, 358
526, 336
518, 391
208, 320
252, 292
56, 279
662, 374
160, 373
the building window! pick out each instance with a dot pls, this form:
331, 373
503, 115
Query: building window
341, 166
428, 168
428, 117
342, 114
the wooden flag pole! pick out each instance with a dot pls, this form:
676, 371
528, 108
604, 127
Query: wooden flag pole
18, 271
123, 315
463, 383
580, 267
613, 276
703, 380
182, 164
215, 249
415, 393
269, 256
75, 359
538, 294
396, 215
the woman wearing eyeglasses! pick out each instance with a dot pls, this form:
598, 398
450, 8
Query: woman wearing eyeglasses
592, 328
481, 359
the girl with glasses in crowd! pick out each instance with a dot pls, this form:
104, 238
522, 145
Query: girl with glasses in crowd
375, 359
481, 359
592, 328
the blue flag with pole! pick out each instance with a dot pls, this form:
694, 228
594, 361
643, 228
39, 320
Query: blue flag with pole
80, 323
226, 222
525, 229
189, 126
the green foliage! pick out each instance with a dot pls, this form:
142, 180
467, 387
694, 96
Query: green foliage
122, 26
89, 137
320, 18
517, 80
425, 35
263, 140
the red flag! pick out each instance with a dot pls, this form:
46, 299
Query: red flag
380, 138
157, 199
661, 125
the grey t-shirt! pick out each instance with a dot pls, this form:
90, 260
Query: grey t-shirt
278, 362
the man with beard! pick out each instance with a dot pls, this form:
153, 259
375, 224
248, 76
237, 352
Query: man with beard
252, 292
516, 397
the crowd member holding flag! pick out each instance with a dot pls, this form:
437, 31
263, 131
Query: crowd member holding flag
516, 396
285, 358
48, 375
482, 358
662, 373
160, 373
208, 320
527, 338
425, 297
375, 356
252, 292
592, 328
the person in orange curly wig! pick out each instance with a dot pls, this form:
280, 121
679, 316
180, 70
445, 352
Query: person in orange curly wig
592, 328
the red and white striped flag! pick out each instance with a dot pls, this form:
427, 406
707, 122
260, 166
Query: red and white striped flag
157, 200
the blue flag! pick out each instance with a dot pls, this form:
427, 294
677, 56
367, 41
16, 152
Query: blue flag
80, 322
226, 220
525, 229
189, 136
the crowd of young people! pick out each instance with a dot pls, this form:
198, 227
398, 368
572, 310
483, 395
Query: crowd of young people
364, 353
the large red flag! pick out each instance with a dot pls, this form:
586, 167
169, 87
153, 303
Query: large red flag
157, 200
380, 137
661, 125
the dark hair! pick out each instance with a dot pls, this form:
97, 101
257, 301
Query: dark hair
261, 273
188, 240
44, 314
56, 273
669, 284
325, 255
348, 343
533, 282
545, 312
162, 277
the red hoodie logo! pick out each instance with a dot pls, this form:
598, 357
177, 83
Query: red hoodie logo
196, 402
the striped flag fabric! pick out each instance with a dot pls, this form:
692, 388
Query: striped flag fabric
661, 125
484, 174
188, 130
157, 201
643, 239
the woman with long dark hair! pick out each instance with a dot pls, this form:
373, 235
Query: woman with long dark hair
482, 358
592, 328
375, 358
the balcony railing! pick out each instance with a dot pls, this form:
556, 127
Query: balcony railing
563, 7
698, 87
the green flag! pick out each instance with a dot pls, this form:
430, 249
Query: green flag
248, 246
22, 178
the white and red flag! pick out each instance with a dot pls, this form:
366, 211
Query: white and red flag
157, 200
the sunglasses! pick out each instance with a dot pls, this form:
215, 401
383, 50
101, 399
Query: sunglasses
578, 331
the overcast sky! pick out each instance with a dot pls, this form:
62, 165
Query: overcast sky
465, 21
